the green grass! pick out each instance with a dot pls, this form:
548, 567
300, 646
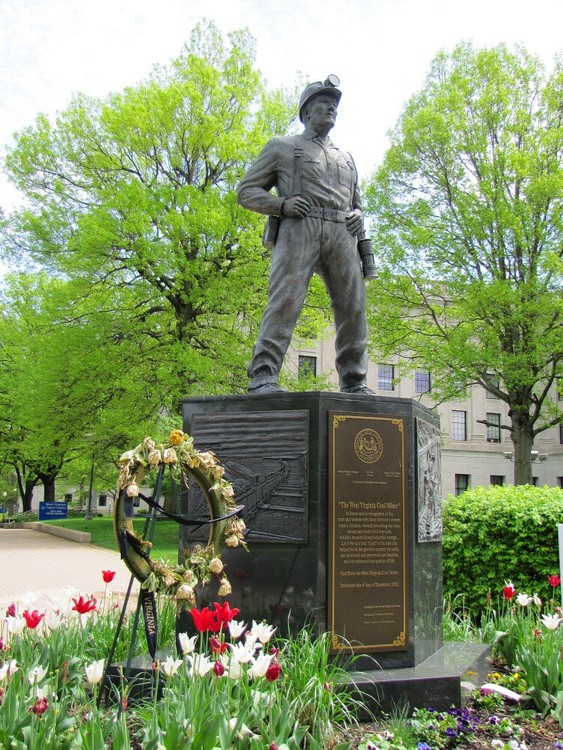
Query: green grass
165, 537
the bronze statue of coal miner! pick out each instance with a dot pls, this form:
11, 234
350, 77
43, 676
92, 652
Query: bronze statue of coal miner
308, 187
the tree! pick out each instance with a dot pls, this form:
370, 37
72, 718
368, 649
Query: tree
468, 226
73, 386
136, 193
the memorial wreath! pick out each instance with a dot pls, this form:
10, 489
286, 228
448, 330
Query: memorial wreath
202, 562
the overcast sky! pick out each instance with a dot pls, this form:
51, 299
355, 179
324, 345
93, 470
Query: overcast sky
380, 49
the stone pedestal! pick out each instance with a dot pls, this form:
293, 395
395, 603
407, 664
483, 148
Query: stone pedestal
342, 504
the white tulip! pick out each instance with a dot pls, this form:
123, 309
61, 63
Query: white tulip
200, 665
187, 643
241, 652
551, 622
262, 631
54, 620
95, 671
236, 628
29, 599
36, 675
8, 668
259, 665
171, 666
15, 625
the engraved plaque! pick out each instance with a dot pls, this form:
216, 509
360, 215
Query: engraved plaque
265, 455
367, 533
429, 482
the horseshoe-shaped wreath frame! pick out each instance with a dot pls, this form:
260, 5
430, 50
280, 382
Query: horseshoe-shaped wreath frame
225, 528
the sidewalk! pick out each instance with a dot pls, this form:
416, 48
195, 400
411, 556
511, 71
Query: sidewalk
49, 566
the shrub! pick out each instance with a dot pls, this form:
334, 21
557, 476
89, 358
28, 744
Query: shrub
498, 534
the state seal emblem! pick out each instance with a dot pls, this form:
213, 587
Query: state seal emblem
368, 446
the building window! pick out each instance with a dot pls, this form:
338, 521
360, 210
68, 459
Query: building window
561, 433
493, 429
422, 381
535, 481
459, 425
560, 480
496, 479
385, 377
307, 366
461, 483
494, 381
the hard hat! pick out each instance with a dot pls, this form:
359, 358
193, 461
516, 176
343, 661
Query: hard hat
328, 86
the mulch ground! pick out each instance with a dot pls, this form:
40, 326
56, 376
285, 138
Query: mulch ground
538, 733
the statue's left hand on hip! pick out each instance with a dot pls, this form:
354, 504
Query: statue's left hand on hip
354, 222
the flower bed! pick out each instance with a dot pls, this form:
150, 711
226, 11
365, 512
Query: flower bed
234, 684
231, 685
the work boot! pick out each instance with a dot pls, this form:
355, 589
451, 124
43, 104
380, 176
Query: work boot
271, 387
362, 388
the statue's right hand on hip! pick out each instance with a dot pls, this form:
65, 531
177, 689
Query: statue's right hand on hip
296, 207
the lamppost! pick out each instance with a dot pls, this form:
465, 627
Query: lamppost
537, 457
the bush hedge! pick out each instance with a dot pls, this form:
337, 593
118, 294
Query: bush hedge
498, 534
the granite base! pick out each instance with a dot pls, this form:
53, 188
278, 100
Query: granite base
440, 681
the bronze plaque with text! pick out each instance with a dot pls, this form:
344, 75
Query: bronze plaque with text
367, 533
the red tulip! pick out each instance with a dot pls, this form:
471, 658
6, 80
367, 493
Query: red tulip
509, 591
108, 575
82, 606
33, 618
216, 646
11, 611
219, 668
205, 619
554, 580
201, 618
273, 671
40, 706
225, 613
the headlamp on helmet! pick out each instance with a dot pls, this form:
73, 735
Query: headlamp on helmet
328, 86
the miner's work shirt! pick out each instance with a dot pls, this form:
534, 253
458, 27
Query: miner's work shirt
329, 176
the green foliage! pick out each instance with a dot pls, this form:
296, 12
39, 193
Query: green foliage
66, 394
540, 658
467, 227
499, 534
313, 682
526, 638
135, 194
152, 276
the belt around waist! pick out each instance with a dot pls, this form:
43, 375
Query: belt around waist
329, 214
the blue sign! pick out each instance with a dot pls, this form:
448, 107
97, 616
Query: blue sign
50, 511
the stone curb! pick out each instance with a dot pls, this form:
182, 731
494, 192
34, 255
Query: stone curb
82, 537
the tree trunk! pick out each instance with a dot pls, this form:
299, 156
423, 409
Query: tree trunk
27, 496
523, 442
49, 489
